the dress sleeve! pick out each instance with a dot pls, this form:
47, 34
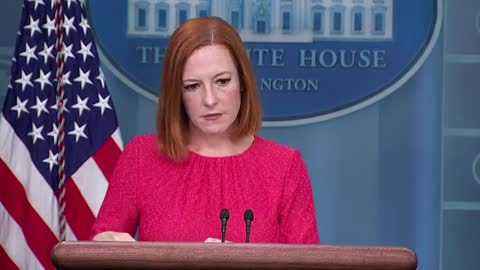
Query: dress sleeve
298, 223
119, 211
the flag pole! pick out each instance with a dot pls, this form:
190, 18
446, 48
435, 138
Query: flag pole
60, 115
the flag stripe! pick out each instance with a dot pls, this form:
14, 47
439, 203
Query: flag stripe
5, 261
106, 157
70, 236
39, 237
91, 183
13, 243
78, 214
118, 138
15, 154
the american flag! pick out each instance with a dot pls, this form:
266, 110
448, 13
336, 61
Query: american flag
29, 135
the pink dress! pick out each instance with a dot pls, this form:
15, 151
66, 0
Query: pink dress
171, 201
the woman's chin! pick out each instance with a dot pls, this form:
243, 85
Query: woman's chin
214, 129
215, 132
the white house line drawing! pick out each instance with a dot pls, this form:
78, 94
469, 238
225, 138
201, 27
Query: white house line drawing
270, 20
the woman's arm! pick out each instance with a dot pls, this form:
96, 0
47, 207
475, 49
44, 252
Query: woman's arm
297, 210
119, 213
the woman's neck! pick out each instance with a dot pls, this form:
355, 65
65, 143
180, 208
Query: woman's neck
219, 146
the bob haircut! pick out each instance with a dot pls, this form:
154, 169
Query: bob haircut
172, 120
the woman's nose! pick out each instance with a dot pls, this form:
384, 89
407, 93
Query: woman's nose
210, 97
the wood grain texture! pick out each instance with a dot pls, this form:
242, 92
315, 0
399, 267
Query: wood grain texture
162, 255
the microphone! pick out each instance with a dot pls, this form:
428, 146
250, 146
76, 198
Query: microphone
224, 215
248, 217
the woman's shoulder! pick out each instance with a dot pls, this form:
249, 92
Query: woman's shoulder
146, 150
144, 145
143, 140
274, 158
275, 149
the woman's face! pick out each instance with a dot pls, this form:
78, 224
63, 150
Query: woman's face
211, 91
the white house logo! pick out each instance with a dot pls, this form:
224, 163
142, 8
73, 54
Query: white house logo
477, 21
314, 59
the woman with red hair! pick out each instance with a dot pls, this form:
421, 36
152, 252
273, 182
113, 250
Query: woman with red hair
206, 155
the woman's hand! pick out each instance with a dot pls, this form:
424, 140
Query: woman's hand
113, 236
214, 240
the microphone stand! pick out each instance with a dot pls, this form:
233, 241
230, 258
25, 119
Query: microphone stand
224, 215
248, 217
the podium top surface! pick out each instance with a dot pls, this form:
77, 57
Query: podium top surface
177, 255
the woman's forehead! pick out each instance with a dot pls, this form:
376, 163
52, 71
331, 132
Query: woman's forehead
209, 60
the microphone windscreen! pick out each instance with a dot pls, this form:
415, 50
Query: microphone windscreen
248, 215
224, 214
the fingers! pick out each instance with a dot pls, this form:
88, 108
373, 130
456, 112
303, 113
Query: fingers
113, 236
214, 240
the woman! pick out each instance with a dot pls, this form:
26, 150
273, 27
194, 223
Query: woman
206, 155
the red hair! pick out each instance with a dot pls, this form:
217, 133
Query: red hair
172, 119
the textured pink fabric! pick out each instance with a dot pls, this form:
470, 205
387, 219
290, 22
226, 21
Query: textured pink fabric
172, 201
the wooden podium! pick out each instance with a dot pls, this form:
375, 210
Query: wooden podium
162, 255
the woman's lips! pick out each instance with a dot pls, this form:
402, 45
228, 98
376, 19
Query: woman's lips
212, 116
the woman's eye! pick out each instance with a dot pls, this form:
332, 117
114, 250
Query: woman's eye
190, 87
223, 82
